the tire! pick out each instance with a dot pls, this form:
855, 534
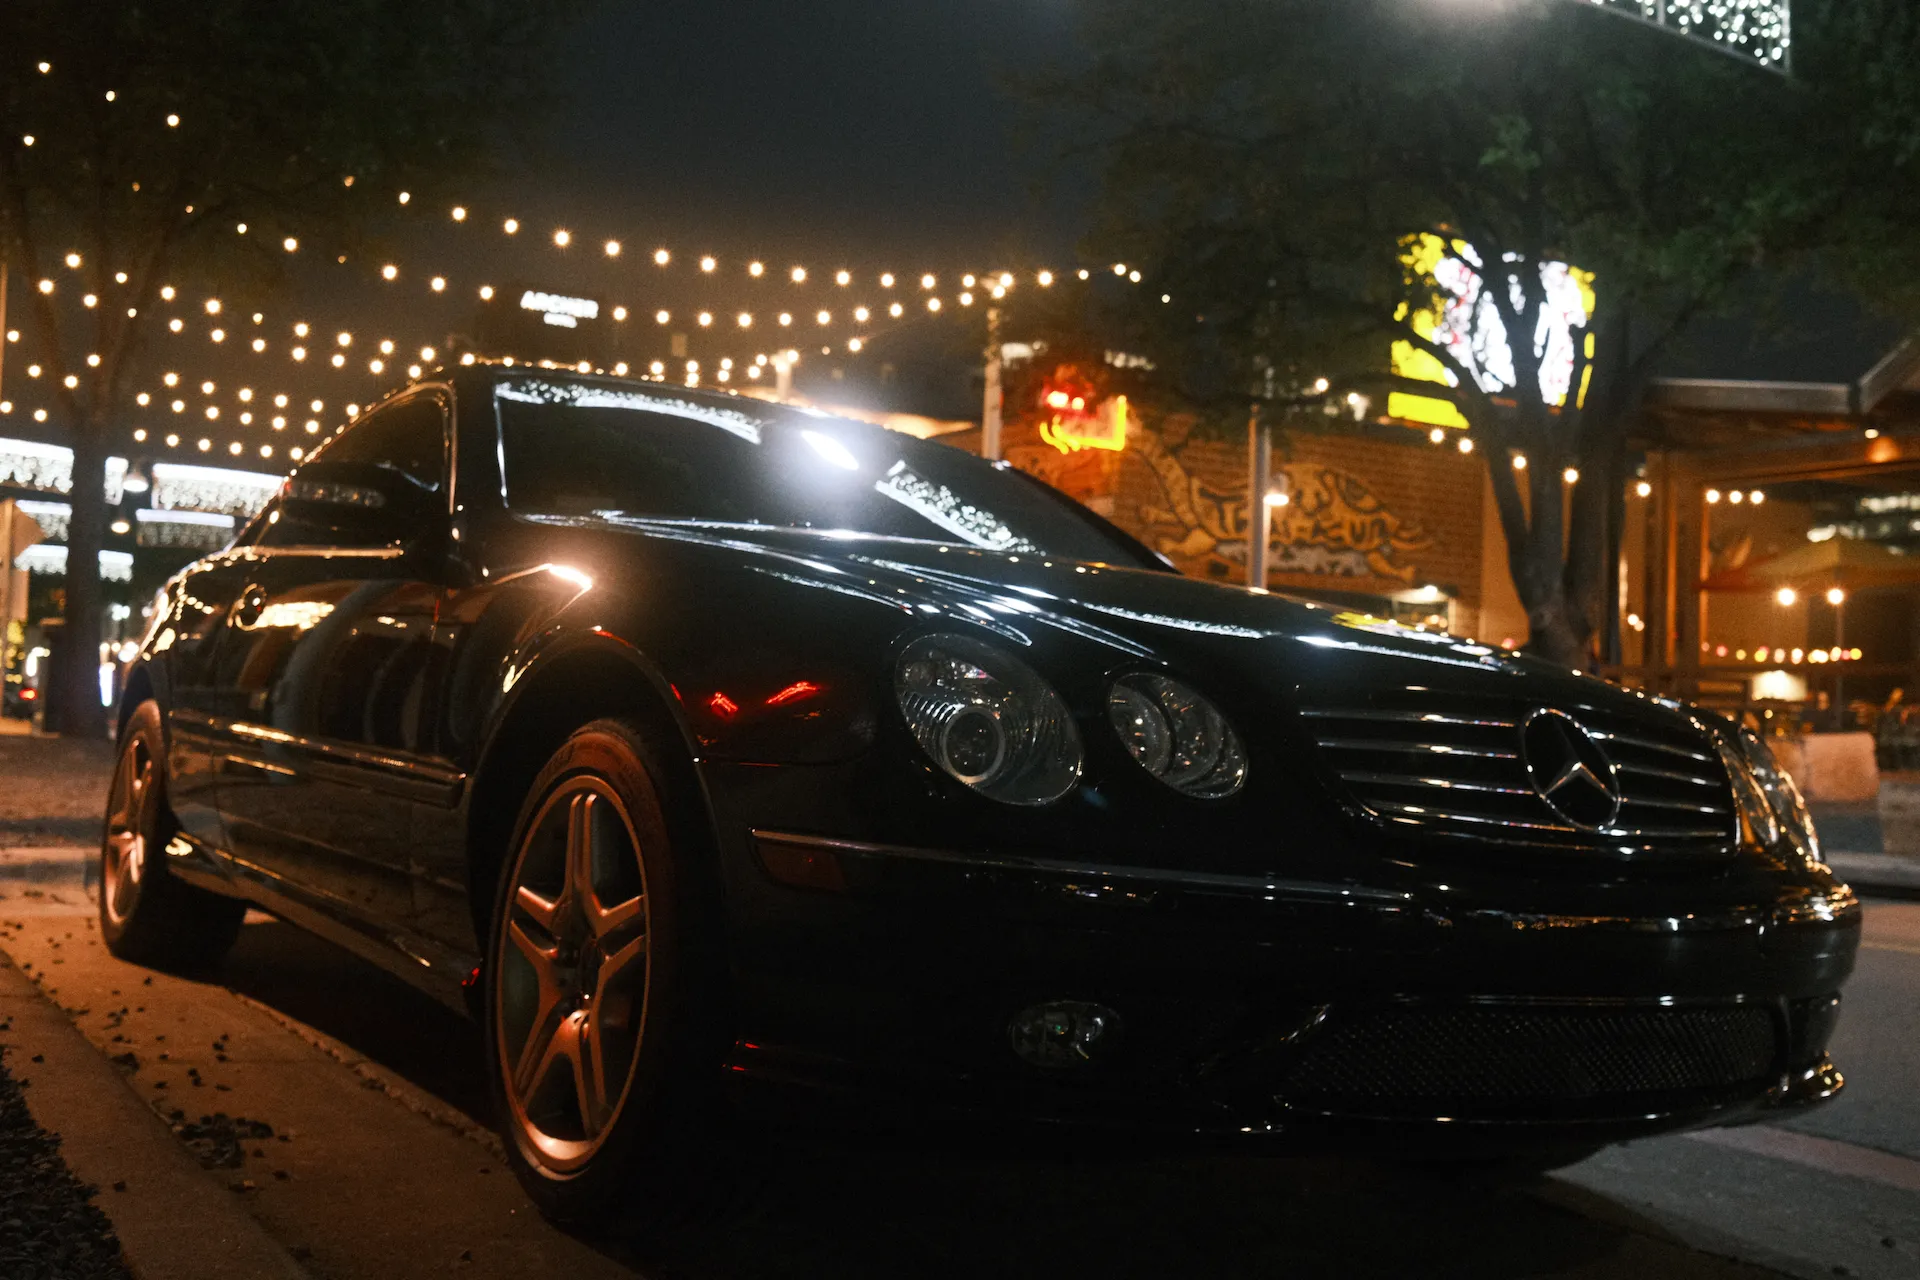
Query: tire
147, 916
600, 1008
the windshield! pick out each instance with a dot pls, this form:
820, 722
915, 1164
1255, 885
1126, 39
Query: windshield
586, 448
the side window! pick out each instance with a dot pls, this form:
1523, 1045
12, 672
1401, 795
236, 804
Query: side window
409, 437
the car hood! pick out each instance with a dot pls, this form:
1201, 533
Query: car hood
1139, 616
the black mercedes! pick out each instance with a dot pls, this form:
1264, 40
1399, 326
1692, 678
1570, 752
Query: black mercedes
705, 748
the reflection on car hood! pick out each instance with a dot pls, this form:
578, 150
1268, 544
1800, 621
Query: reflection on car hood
1134, 611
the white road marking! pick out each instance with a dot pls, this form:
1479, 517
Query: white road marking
1824, 1154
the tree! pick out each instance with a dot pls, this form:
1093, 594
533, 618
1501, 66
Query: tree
193, 141
1297, 176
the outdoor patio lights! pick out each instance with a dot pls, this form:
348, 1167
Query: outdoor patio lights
1787, 597
1713, 496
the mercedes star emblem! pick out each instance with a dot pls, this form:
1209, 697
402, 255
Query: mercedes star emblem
1569, 770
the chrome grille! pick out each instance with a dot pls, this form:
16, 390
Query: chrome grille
1434, 762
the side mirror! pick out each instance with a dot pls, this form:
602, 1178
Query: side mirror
362, 504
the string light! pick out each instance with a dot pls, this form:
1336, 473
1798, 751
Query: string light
459, 213
511, 226
661, 257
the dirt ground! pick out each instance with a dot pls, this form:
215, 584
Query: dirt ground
53, 791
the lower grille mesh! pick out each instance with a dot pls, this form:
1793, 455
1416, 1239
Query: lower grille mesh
1487, 1057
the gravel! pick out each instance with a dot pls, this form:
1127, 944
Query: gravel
50, 1229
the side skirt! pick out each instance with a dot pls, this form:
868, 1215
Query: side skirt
433, 969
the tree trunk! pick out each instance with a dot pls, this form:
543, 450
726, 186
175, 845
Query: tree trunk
78, 673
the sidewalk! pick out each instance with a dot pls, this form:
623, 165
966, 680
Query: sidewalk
1853, 841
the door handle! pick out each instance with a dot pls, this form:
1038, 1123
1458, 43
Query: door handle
248, 608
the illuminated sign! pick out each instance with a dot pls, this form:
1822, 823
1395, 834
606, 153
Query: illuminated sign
1761, 30
533, 323
559, 310
1468, 324
1075, 416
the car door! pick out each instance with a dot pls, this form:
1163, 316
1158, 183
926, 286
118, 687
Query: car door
186, 643
325, 659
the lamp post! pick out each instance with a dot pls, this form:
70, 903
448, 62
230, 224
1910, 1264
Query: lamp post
1260, 482
1837, 597
993, 405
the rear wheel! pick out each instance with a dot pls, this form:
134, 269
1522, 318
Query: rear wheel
148, 916
601, 1059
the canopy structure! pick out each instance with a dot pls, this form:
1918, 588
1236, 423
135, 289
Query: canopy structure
1837, 562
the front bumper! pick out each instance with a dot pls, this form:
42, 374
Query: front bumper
1269, 1010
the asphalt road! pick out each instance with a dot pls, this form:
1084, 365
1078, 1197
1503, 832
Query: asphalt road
347, 1113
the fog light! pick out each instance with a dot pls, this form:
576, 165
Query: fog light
1064, 1033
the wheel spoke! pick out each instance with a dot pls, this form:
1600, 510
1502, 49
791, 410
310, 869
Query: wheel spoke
547, 1011
620, 970
618, 920
125, 807
590, 1075
546, 1045
544, 913
580, 850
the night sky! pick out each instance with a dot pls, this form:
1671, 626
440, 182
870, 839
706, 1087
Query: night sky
858, 128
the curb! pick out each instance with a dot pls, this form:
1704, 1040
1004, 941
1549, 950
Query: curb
173, 1221
1877, 872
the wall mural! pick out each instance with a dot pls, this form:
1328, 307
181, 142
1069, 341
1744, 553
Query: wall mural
1334, 526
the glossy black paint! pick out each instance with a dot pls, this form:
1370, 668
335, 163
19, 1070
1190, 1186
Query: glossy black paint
347, 727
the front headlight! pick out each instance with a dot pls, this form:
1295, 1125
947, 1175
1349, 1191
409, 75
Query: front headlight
988, 720
1177, 736
1783, 797
1758, 823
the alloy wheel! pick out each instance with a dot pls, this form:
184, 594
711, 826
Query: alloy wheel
573, 965
123, 857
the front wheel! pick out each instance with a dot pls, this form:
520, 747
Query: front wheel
601, 1061
146, 915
